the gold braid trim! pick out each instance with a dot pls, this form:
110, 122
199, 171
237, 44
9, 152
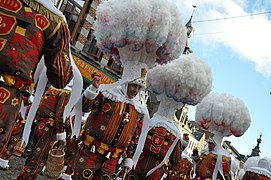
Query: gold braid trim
41, 9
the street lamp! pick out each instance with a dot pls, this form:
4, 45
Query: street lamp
189, 24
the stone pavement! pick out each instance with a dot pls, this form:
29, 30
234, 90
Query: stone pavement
15, 166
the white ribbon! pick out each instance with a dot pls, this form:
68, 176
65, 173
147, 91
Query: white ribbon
220, 151
142, 138
166, 157
33, 109
75, 100
38, 70
23, 110
218, 168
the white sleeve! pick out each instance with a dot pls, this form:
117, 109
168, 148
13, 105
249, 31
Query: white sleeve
91, 92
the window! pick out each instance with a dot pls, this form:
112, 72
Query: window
73, 12
114, 66
91, 49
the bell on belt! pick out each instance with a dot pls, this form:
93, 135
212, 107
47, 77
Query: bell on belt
108, 155
92, 150
125, 118
25, 93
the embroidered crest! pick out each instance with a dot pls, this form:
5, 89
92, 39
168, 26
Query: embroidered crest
106, 107
157, 140
41, 22
2, 43
161, 131
4, 95
87, 173
154, 149
11, 5
105, 177
7, 23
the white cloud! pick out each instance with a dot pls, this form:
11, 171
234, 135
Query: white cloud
248, 36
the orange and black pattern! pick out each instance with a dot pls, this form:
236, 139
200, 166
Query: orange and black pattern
157, 144
206, 165
49, 122
254, 176
104, 138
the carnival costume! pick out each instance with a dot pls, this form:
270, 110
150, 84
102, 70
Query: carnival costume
163, 139
206, 166
222, 115
257, 168
28, 31
184, 169
14, 147
108, 130
49, 128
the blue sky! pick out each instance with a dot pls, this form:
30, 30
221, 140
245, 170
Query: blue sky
239, 52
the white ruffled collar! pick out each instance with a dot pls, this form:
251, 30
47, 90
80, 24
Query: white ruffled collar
261, 171
116, 94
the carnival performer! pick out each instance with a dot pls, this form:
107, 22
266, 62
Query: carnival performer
222, 115
30, 29
109, 128
49, 128
13, 147
184, 169
162, 141
257, 168
137, 42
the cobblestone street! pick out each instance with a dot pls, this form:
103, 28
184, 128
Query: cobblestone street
16, 165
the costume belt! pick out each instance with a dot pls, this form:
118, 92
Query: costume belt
23, 85
101, 147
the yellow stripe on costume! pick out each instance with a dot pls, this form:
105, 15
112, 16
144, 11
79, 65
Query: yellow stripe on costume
20, 30
27, 9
